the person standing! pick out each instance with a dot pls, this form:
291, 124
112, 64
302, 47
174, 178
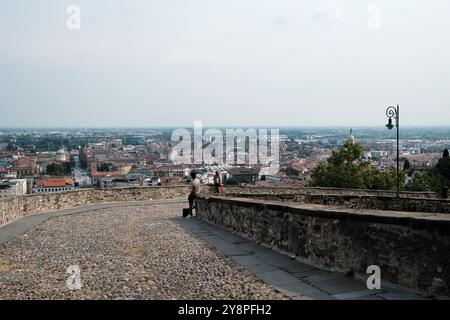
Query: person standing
218, 182
195, 190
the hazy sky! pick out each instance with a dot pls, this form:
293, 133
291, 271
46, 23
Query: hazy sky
226, 62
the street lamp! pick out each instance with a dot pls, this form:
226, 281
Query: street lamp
394, 112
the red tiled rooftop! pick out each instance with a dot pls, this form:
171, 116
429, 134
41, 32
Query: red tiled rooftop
54, 182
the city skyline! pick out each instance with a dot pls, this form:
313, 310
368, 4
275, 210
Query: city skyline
222, 127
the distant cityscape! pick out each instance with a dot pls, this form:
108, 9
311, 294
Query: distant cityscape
58, 160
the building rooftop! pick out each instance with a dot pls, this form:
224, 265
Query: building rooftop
54, 182
243, 171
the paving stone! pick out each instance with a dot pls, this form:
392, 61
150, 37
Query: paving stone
339, 285
248, 260
277, 278
261, 268
252, 247
320, 295
232, 251
225, 246
194, 228
213, 228
202, 232
273, 257
356, 294
253, 264
400, 296
301, 298
295, 266
317, 275
198, 230
233, 238
299, 288
372, 297
214, 239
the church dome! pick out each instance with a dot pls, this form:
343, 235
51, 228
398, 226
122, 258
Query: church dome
352, 137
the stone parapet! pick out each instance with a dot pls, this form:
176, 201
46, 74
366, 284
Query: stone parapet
326, 191
411, 249
355, 201
14, 208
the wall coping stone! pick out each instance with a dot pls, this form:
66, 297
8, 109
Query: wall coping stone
344, 196
416, 220
373, 191
82, 190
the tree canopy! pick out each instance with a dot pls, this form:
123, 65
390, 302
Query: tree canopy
406, 165
443, 167
105, 167
426, 181
433, 180
345, 169
55, 169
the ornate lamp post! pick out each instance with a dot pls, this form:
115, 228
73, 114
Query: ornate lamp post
394, 112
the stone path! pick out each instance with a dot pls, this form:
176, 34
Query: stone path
295, 279
16, 228
145, 250
123, 252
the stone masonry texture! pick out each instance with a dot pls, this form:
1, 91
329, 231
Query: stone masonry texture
412, 249
14, 208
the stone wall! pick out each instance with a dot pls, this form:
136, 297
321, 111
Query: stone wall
14, 208
411, 249
355, 201
325, 191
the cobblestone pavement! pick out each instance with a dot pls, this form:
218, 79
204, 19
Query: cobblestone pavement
136, 252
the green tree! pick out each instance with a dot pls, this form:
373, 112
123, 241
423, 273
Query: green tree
11, 147
426, 181
381, 180
345, 169
104, 167
435, 179
406, 165
55, 169
67, 168
443, 167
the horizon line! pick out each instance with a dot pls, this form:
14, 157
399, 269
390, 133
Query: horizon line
228, 126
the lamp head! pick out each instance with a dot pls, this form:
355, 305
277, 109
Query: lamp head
390, 125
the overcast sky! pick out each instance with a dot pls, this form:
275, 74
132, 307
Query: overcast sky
225, 62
